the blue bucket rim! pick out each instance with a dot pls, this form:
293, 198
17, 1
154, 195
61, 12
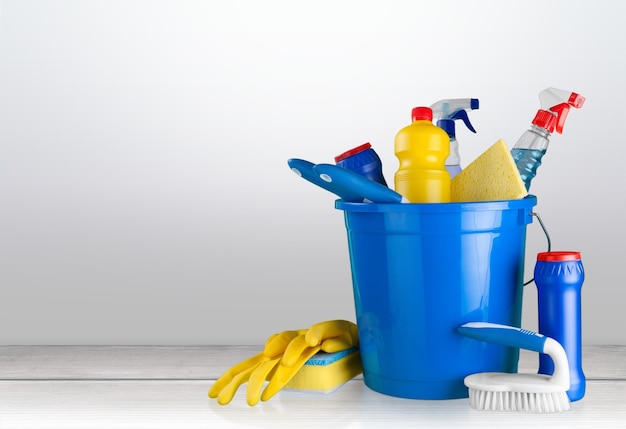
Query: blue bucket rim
526, 202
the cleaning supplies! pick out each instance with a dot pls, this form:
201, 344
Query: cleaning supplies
283, 356
363, 160
533, 143
559, 277
491, 176
422, 149
535, 393
445, 112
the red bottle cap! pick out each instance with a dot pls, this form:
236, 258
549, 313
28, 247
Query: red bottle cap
545, 119
422, 114
349, 153
558, 256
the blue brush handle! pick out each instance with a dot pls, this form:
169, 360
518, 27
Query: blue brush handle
304, 169
354, 182
504, 335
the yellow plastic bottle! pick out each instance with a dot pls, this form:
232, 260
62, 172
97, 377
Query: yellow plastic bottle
422, 149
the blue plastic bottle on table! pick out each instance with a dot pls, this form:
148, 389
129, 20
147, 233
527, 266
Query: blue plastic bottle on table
559, 277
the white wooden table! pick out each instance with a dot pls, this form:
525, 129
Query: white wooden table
91, 387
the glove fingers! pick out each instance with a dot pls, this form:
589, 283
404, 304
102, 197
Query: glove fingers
277, 343
332, 345
347, 339
329, 329
294, 350
283, 356
228, 392
228, 376
285, 373
257, 379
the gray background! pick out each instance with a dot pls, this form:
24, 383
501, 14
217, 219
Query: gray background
145, 193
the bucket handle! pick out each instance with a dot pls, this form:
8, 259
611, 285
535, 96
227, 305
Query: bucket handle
545, 231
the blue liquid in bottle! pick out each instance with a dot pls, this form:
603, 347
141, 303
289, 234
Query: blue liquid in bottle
527, 161
532, 145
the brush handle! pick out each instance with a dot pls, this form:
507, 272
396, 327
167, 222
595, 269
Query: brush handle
304, 169
504, 335
354, 182
523, 339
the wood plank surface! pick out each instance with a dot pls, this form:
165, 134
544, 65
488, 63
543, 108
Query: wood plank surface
205, 362
164, 387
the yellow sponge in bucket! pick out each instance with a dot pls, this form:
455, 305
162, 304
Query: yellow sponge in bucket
492, 176
325, 372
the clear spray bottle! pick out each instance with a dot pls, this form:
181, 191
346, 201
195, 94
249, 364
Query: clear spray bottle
445, 112
533, 144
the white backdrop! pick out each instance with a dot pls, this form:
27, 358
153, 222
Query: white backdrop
145, 195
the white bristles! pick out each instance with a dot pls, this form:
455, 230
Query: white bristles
485, 400
531, 393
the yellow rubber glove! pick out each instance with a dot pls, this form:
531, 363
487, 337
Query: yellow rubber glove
284, 373
334, 335
283, 356
226, 386
330, 336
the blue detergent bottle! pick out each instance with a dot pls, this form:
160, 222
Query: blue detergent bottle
533, 143
445, 112
363, 160
559, 277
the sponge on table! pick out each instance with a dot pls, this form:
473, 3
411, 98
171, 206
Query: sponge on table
490, 177
325, 372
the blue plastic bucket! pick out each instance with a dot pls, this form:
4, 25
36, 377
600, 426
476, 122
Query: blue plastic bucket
421, 270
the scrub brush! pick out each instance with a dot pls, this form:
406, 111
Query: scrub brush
534, 393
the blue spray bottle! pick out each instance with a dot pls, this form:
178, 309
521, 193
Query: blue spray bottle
445, 112
533, 144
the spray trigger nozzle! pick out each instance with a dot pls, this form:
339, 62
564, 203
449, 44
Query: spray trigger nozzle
448, 123
561, 111
462, 114
559, 102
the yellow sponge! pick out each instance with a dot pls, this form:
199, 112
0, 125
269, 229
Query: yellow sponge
325, 372
492, 176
